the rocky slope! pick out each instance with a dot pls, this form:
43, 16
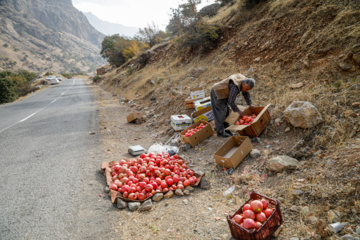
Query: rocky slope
44, 36
313, 44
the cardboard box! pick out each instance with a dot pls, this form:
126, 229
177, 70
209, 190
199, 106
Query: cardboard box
205, 114
133, 116
190, 103
180, 122
197, 93
258, 125
232, 152
202, 103
200, 135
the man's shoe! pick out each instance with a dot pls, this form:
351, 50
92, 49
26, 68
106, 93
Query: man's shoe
224, 134
229, 132
226, 125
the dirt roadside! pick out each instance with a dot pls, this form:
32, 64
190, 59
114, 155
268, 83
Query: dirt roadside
201, 215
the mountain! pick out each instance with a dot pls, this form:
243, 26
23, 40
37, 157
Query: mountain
47, 35
108, 28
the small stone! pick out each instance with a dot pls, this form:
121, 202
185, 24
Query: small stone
169, 194
106, 189
304, 212
355, 87
121, 204
312, 219
185, 201
358, 230
179, 192
335, 227
349, 237
287, 129
204, 184
255, 153
356, 104
186, 192
190, 188
278, 120
133, 206
157, 197
297, 192
294, 238
333, 217
350, 113
255, 140
199, 172
146, 206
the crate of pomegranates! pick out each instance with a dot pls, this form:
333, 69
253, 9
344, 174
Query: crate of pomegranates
257, 219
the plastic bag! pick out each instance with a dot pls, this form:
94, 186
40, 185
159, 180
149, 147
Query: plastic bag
159, 148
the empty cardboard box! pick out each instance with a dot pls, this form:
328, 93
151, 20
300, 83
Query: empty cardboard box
233, 151
133, 116
258, 125
200, 135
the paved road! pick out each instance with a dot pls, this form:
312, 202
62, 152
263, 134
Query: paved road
49, 180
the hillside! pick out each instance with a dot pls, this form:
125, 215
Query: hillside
108, 28
311, 43
43, 36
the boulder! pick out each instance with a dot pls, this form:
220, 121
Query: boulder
157, 197
302, 114
282, 163
133, 206
121, 204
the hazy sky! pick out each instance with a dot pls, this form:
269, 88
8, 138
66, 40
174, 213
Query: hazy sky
133, 13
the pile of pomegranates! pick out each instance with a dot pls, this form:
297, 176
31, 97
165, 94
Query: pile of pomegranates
140, 178
246, 120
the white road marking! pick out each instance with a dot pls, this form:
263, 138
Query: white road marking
22, 120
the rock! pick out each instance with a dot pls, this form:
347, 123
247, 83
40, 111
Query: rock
157, 197
169, 194
296, 85
349, 237
257, 59
335, 227
121, 204
294, 238
106, 189
190, 189
179, 192
312, 219
255, 153
302, 114
277, 120
297, 192
356, 57
355, 87
201, 173
186, 192
350, 113
346, 66
185, 201
146, 206
355, 104
333, 217
185, 147
287, 129
204, 184
133, 206
304, 212
282, 163
255, 140
321, 228
358, 230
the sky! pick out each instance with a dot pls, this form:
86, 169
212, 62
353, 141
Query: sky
133, 13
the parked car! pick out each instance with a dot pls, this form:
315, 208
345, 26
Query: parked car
48, 78
59, 78
54, 81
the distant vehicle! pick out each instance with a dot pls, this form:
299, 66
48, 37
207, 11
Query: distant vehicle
48, 78
59, 78
54, 81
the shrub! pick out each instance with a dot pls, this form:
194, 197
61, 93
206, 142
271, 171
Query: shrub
200, 36
96, 78
5, 45
7, 90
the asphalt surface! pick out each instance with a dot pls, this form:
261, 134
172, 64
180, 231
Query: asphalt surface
49, 161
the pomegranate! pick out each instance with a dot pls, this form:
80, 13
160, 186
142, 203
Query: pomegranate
265, 203
256, 206
261, 217
249, 223
249, 214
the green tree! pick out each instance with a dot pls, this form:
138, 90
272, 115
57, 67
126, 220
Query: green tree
7, 90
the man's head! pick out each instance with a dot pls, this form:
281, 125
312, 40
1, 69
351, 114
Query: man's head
247, 84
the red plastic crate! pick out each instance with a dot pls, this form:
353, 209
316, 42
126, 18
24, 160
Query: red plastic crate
266, 230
